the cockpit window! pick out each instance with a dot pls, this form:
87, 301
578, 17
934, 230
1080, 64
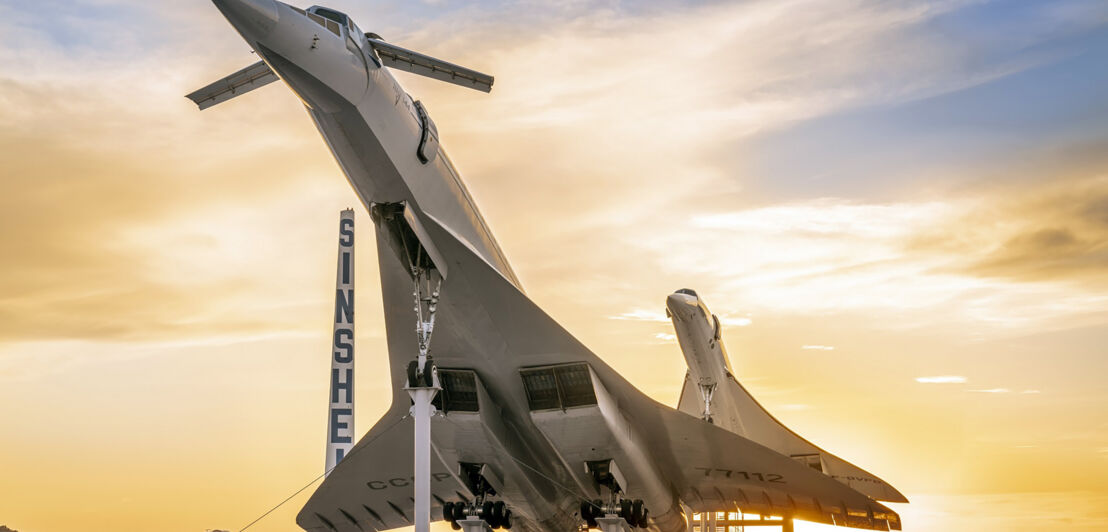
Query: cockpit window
332, 20
688, 292
330, 14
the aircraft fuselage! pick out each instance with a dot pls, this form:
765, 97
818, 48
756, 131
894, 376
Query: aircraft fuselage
372, 127
700, 336
540, 405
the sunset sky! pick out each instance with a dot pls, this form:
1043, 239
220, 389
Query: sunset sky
898, 209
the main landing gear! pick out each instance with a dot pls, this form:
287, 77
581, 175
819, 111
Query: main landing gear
632, 511
495, 515
483, 513
617, 514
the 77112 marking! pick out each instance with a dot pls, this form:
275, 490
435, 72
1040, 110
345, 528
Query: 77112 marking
727, 473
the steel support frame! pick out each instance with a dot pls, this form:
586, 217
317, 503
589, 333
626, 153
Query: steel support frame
709, 523
474, 524
421, 412
613, 523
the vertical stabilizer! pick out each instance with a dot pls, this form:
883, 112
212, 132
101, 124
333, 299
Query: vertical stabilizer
340, 414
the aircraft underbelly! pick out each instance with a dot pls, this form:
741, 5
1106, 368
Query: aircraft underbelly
541, 471
500, 435
483, 438
604, 432
378, 156
375, 141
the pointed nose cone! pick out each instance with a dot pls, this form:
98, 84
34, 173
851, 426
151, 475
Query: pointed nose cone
680, 304
254, 19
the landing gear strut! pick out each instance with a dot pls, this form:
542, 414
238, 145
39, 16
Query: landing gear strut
617, 514
706, 393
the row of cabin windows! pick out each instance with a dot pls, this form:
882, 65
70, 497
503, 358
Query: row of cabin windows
548, 388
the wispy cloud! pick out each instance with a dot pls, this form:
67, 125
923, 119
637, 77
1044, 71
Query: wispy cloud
734, 321
666, 337
816, 347
942, 379
641, 315
1052, 232
660, 317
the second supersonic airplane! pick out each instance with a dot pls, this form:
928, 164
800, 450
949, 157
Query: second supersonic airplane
535, 431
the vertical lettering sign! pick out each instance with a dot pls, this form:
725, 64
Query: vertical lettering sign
340, 420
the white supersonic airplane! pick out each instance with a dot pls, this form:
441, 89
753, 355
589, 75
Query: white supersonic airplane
533, 430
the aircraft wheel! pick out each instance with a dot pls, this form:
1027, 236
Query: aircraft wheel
506, 523
428, 376
589, 513
625, 511
636, 513
497, 514
486, 512
645, 522
459, 511
448, 511
413, 371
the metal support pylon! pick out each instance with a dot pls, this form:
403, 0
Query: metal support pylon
709, 522
474, 524
421, 411
613, 523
